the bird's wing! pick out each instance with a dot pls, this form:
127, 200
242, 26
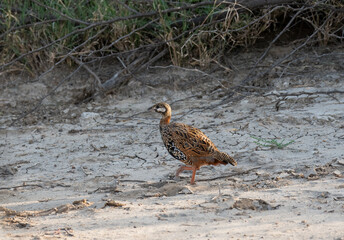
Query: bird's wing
191, 141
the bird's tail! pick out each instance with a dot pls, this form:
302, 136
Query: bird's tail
225, 158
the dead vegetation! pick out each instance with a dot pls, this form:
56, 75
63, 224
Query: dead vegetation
138, 34
37, 37
60, 209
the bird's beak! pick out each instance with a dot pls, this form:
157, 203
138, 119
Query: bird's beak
151, 108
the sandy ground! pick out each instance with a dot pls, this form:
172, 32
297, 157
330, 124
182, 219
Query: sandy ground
115, 163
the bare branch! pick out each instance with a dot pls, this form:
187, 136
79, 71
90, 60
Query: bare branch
61, 14
47, 95
96, 78
126, 6
279, 35
228, 175
249, 78
35, 24
300, 93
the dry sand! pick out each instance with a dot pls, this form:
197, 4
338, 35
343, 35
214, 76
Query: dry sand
117, 162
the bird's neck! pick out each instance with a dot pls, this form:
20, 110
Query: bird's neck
165, 120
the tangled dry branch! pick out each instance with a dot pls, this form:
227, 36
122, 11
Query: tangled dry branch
147, 31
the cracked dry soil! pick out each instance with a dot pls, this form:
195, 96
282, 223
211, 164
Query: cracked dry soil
99, 170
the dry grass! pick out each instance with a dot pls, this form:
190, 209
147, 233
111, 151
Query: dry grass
34, 33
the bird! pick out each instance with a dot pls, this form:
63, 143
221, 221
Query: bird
188, 144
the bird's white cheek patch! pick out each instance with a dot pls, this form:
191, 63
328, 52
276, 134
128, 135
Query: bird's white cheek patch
161, 110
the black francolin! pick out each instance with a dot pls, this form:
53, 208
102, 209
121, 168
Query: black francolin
188, 144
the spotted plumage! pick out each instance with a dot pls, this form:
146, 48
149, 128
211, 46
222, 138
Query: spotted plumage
188, 144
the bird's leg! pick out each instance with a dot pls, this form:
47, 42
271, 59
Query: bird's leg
192, 182
192, 168
182, 168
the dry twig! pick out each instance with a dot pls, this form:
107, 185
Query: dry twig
229, 175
